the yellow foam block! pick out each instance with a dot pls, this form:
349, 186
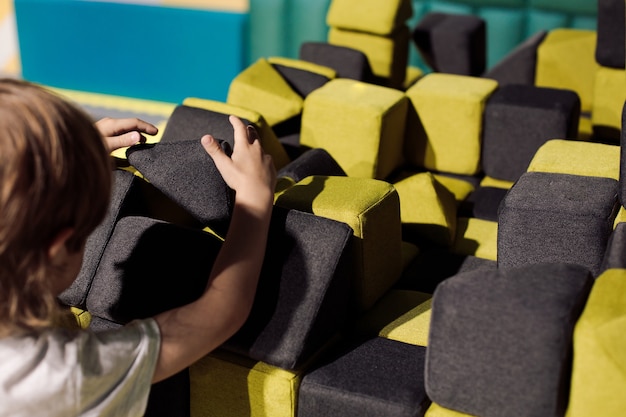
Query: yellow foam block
476, 237
224, 384
488, 181
261, 88
427, 208
401, 315
577, 158
435, 410
387, 55
372, 209
371, 16
444, 133
599, 363
609, 95
566, 59
361, 125
460, 188
269, 141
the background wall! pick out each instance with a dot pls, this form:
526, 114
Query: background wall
169, 49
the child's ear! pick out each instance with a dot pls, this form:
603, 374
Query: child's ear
57, 245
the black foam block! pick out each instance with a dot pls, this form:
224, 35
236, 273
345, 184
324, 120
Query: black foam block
519, 65
500, 341
301, 81
150, 266
302, 292
315, 161
371, 378
452, 43
611, 43
622, 163
482, 203
615, 255
347, 62
518, 119
185, 173
187, 122
548, 217
124, 200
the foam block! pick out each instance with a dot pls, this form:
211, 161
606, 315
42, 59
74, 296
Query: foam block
360, 125
500, 341
444, 127
615, 255
519, 64
518, 119
370, 16
452, 43
348, 62
611, 44
378, 377
550, 217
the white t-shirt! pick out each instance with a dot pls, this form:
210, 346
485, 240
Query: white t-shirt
64, 373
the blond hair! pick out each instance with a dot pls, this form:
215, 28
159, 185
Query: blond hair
55, 173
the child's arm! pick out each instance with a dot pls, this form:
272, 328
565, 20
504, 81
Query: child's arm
192, 331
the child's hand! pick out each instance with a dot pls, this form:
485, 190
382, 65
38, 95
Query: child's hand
119, 133
249, 171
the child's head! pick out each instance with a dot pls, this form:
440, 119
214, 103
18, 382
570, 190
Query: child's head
55, 177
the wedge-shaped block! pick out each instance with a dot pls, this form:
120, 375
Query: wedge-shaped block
187, 175
300, 300
599, 368
609, 93
276, 87
518, 120
476, 237
427, 209
500, 341
369, 16
361, 125
348, 62
444, 126
565, 60
577, 158
518, 66
187, 124
549, 217
372, 209
401, 315
375, 377
387, 54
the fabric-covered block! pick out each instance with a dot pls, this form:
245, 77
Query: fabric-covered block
372, 209
565, 60
224, 384
375, 377
124, 200
549, 217
611, 44
452, 43
444, 129
369, 16
316, 161
187, 174
476, 237
500, 341
519, 119
609, 92
622, 159
300, 301
387, 55
216, 120
519, 64
150, 266
360, 125
348, 62
577, 158
599, 368
401, 315
427, 209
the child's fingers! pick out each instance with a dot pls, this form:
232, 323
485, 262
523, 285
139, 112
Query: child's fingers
215, 151
240, 130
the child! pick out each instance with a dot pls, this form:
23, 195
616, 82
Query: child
55, 179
